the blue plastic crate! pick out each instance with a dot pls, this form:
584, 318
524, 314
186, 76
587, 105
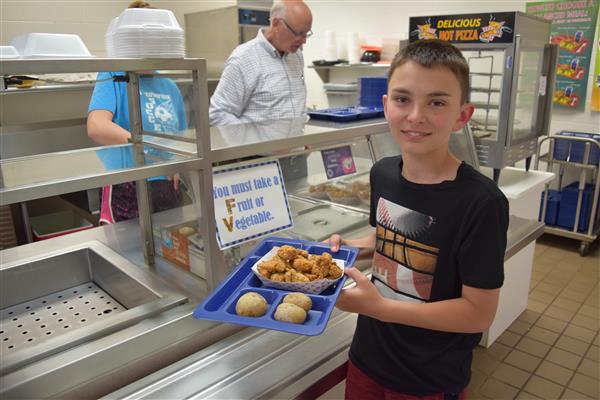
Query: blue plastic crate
568, 206
561, 147
574, 151
220, 304
578, 148
552, 207
372, 88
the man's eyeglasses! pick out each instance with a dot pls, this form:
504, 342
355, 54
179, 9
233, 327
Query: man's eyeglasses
307, 34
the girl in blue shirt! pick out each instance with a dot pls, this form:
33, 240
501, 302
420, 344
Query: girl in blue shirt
162, 110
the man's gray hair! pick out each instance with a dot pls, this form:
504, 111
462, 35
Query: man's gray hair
278, 10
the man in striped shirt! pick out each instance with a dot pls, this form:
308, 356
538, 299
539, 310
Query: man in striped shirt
264, 78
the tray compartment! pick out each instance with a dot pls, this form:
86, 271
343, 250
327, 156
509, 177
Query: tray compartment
272, 297
234, 281
316, 315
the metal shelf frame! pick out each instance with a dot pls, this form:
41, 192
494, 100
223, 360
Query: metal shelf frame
69, 180
593, 229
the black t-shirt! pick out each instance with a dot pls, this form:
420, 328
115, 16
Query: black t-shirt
431, 239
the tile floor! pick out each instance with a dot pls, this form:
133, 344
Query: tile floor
551, 351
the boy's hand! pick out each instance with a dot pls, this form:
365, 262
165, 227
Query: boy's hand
363, 298
335, 241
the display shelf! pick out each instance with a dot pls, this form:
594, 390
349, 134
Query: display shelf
324, 71
28, 178
44, 175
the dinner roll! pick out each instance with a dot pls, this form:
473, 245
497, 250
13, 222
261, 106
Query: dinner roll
287, 312
299, 299
251, 304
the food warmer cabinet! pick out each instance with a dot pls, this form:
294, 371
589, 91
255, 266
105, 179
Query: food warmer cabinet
512, 71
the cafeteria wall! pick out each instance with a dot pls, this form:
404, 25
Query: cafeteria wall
374, 20
379, 19
86, 18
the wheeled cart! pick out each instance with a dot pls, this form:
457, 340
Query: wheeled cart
572, 211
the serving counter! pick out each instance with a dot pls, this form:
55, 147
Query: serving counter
226, 361
154, 348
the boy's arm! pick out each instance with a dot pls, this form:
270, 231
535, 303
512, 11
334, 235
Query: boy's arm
365, 244
473, 312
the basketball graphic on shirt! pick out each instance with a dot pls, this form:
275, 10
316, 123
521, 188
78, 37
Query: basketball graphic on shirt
404, 262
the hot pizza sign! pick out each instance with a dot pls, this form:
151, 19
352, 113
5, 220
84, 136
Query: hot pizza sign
467, 28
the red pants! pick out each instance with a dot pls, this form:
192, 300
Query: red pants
360, 387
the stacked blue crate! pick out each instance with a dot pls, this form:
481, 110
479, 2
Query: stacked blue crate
552, 207
573, 151
562, 147
372, 89
568, 206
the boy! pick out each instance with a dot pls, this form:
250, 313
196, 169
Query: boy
438, 245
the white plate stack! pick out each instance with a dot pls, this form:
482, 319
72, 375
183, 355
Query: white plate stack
145, 33
8, 52
50, 45
109, 38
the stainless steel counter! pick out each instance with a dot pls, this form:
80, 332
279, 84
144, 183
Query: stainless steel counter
269, 364
105, 363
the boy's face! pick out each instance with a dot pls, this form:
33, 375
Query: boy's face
423, 107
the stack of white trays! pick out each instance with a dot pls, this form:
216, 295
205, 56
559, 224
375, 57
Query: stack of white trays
145, 33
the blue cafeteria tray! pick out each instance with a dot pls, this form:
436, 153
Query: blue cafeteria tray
344, 114
220, 304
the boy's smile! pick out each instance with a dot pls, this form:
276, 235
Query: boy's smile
423, 107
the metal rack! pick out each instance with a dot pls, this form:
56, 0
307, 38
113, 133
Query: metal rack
593, 229
43, 175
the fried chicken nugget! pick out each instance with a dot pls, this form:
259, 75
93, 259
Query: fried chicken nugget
263, 271
277, 277
311, 277
334, 271
319, 271
291, 275
287, 277
298, 276
287, 253
326, 258
268, 267
321, 265
302, 264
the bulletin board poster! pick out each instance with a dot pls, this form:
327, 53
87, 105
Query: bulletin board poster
338, 162
250, 202
573, 29
596, 81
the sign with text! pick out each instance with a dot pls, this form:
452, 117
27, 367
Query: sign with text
338, 162
467, 28
250, 202
573, 25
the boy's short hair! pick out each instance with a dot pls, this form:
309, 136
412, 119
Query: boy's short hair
436, 53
